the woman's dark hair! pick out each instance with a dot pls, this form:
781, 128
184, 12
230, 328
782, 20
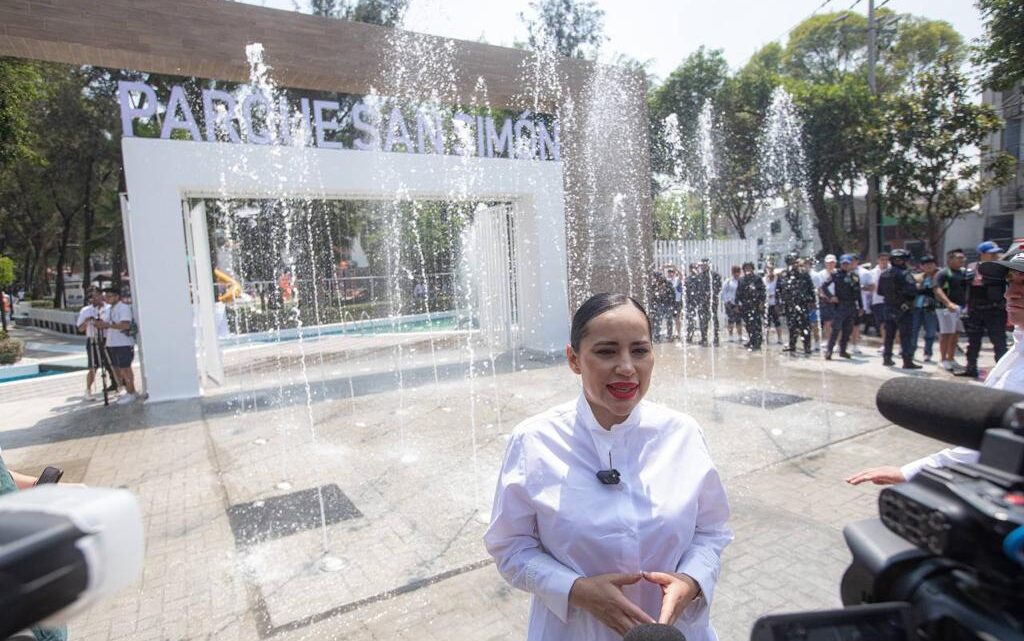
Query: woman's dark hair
594, 307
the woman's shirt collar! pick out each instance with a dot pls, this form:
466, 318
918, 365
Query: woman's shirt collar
586, 415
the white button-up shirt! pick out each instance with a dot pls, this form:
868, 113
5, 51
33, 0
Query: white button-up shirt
1008, 374
554, 522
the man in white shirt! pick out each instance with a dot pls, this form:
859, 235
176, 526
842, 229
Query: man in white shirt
95, 348
732, 313
120, 345
1008, 374
878, 310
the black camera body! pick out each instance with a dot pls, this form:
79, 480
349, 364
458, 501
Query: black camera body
945, 559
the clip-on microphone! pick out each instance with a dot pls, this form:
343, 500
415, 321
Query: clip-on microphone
610, 476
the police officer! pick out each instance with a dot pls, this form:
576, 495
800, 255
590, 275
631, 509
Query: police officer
750, 296
703, 289
795, 292
899, 288
843, 291
986, 310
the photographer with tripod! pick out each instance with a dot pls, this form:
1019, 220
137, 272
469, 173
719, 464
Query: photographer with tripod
95, 343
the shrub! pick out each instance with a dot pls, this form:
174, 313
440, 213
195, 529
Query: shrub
11, 350
42, 304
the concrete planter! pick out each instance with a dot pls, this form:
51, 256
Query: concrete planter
55, 320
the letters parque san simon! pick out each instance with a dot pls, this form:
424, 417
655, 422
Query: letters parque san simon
379, 125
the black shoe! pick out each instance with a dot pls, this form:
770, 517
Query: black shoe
754, 349
807, 351
789, 349
828, 356
845, 355
911, 365
888, 362
112, 388
967, 373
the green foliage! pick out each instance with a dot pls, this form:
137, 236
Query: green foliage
679, 216
826, 47
932, 177
6, 272
573, 28
1001, 49
387, 13
11, 350
20, 86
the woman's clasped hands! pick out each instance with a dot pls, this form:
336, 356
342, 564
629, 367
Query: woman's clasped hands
602, 596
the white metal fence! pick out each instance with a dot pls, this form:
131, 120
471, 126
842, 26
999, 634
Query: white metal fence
723, 254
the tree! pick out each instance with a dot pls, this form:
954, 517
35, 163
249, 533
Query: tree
1001, 49
19, 87
931, 176
573, 28
693, 83
6, 280
386, 13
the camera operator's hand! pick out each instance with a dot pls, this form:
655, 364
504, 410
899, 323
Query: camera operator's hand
602, 597
677, 589
878, 475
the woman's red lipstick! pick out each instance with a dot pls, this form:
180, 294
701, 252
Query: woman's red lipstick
623, 391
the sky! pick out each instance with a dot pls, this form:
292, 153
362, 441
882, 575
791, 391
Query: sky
663, 32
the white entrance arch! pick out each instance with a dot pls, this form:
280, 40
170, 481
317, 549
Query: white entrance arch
162, 174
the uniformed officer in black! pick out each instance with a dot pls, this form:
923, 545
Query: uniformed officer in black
899, 288
986, 310
750, 296
795, 292
843, 291
703, 289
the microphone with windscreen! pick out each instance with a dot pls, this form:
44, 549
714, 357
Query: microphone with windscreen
654, 632
952, 412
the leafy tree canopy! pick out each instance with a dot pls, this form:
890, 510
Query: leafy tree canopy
1001, 50
574, 28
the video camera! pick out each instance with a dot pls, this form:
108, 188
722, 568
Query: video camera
945, 559
62, 549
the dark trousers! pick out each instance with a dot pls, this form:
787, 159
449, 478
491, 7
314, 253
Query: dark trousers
799, 326
705, 315
902, 322
754, 322
96, 353
979, 323
842, 326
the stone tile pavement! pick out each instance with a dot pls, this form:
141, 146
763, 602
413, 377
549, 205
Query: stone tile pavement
419, 463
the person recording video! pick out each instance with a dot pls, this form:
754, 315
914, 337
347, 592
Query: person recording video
1008, 375
95, 342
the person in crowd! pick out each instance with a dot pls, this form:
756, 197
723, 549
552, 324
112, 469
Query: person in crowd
11, 481
878, 307
899, 288
689, 288
771, 284
662, 299
750, 299
924, 307
120, 344
95, 343
608, 509
951, 296
865, 312
795, 293
1008, 374
826, 309
843, 291
733, 319
986, 310
675, 278
706, 287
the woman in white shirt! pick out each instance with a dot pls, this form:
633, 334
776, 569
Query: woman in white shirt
609, 509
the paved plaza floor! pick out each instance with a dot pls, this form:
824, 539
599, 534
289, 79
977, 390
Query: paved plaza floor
395, 444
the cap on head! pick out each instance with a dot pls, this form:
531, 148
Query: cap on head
999, 268
899, 254
927, 258
846, 259
791, 258
989, 247
830, 258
